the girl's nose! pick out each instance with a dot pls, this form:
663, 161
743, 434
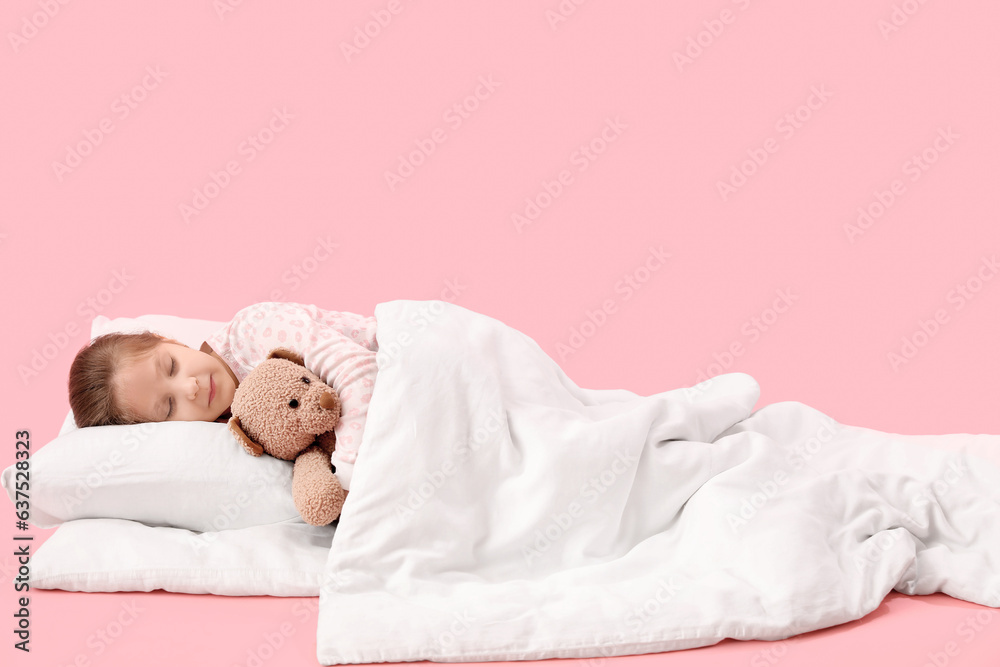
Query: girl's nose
192, 387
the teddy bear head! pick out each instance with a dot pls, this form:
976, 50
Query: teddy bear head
281, 406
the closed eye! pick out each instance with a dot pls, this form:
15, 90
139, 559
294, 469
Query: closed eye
170, 401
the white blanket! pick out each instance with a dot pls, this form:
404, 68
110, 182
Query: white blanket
500, 512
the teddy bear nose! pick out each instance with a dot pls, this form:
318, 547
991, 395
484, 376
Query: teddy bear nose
327, 401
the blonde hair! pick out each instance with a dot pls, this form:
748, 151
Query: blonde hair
94, 394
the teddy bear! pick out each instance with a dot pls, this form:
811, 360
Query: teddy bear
286, 410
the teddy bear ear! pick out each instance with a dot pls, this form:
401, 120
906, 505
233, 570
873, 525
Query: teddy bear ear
249, 445
285, 353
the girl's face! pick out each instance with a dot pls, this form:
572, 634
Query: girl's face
176, 384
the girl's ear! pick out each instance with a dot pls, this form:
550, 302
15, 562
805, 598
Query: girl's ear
285, 353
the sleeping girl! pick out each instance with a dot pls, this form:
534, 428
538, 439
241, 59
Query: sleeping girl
122, 378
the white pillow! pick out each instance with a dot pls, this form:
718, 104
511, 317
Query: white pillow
189, 475
110, 555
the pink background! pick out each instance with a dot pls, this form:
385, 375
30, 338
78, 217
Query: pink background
892, 93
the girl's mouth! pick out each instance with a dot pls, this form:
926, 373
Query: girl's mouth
211, 390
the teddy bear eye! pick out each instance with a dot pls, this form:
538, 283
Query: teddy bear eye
293, 403
305, 379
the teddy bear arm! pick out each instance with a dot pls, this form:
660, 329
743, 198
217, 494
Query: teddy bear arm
327, 442
316, 491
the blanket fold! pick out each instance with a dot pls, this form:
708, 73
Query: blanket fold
500, 512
